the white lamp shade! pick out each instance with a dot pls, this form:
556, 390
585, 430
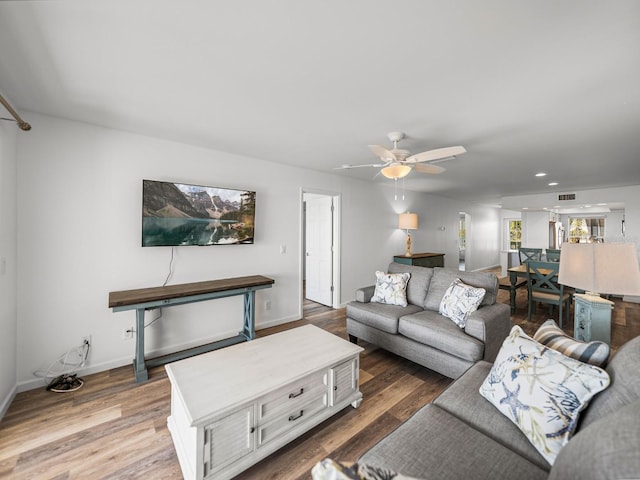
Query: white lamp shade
396, 170
408, 221
600, 267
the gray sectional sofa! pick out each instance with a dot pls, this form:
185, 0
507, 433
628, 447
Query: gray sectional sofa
418, 332
460, 435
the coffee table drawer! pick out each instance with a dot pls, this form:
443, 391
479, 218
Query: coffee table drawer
291, 419
293, 396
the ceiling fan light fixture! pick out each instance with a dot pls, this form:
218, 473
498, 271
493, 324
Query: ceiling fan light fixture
395, 171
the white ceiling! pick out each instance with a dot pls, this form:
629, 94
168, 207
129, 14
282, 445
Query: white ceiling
551, 85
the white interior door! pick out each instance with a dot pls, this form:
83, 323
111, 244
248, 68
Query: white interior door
319, 248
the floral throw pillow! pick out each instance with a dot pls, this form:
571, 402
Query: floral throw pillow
328, 469
541, 390
391, 288
459, 301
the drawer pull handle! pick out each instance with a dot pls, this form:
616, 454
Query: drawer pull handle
253, 429
294, 395
293, 418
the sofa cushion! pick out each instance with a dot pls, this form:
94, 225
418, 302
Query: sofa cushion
379, 315
436, 445
418, 283
625, 383
443, 277
595, 352
391, 288
463, 400
459, 301
541, 390
609, 448
437, 331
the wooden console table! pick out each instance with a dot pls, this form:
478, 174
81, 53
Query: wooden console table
143, 299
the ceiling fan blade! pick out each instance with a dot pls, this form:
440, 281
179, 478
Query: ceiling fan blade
383, 153
427, 168
436, 154
346, 166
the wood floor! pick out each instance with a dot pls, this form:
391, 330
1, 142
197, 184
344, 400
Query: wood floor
114, 429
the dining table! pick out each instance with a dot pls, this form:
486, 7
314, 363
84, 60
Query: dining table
514, 273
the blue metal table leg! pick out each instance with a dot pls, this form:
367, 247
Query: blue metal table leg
513, 278
249, 323
139, 367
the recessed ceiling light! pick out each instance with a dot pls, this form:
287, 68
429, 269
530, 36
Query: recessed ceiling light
601, 204
541, 174
525, 208
553, 184
587, 206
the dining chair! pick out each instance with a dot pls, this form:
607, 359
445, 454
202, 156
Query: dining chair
543, 288
553, 255
527, 254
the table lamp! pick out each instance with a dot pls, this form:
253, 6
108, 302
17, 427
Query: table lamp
596, 268
408, 221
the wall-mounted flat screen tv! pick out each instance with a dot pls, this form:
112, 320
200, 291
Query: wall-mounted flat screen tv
179, 214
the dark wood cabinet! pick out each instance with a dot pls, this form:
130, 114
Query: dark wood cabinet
421, 259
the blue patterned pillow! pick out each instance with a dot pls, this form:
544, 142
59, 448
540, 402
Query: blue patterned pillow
391, 288
541, 390
459, 301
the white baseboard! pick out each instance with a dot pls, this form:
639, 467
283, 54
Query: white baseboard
489, 267
279, 321
34, 383
4, 406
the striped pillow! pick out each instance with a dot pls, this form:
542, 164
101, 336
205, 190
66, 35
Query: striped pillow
595, 353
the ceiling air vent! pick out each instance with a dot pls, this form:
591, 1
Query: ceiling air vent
567, 196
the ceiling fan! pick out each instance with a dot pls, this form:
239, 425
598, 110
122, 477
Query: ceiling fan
397, 163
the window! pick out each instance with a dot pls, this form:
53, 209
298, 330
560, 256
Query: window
584, 230
515, 234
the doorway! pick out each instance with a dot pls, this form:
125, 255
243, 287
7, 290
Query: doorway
320, 247
463, 223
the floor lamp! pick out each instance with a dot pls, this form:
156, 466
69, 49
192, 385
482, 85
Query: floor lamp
610, 268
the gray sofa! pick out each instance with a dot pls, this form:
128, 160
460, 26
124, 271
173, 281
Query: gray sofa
418, 332
460, 435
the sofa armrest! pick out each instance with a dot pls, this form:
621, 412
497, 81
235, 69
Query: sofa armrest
490, 324
364, 295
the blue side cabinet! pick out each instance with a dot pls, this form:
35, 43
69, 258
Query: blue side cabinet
592, 318
421, 259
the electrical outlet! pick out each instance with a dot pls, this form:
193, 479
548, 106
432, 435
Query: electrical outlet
267, 305
86, 339
127, 333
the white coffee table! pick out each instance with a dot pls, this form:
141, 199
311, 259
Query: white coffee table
230, 408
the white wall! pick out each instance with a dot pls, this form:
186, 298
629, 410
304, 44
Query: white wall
535, 229
78, 236
438, 229
79, 205
8, 262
